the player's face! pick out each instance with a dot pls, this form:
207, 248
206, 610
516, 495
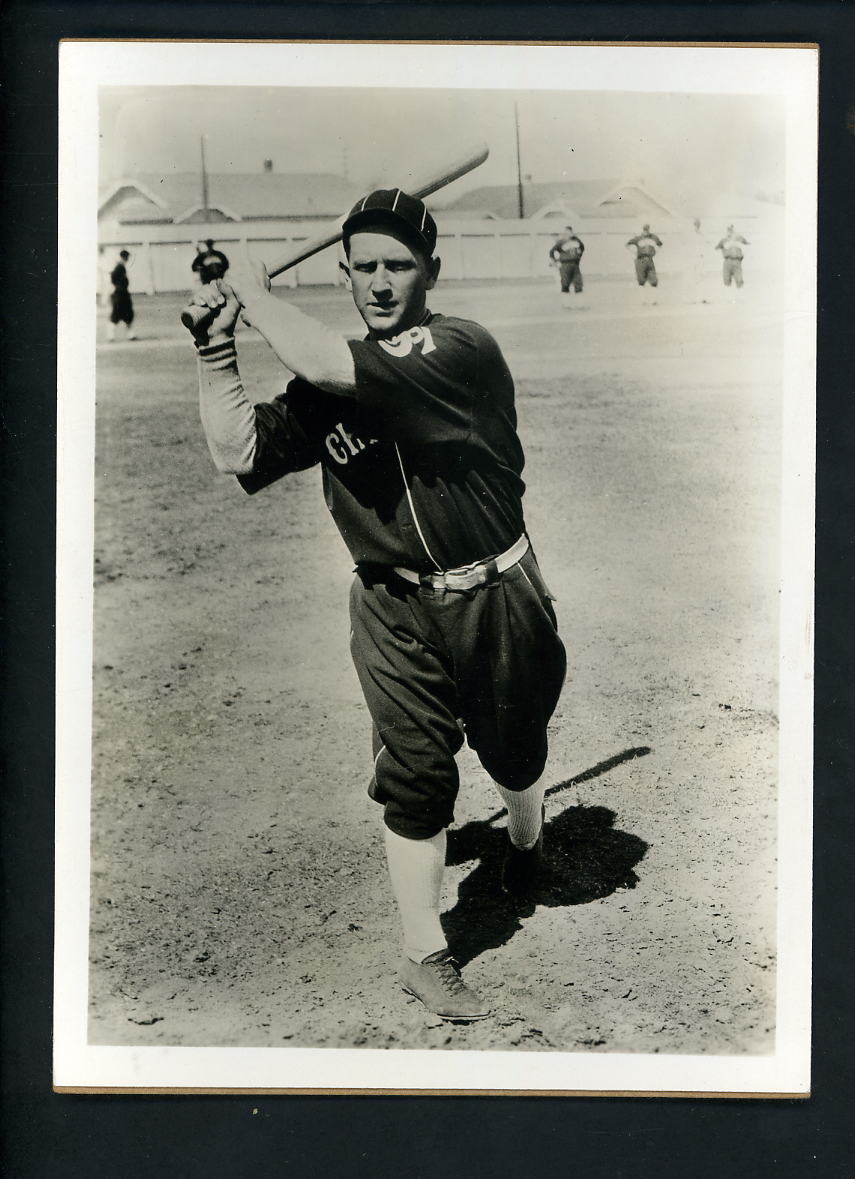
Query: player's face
389, 281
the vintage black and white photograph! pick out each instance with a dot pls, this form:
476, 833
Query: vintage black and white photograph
435, 499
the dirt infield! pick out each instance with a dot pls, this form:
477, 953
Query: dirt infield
238, 885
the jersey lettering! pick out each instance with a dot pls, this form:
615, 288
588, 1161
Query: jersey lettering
403, 345
343, 446
336, 448
354, 445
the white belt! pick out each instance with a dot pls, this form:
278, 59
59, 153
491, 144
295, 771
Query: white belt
466, 577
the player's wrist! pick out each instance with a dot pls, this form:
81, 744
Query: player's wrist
258, 298
216, 345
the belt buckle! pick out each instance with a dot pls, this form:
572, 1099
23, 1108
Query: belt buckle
464, 580
468, 580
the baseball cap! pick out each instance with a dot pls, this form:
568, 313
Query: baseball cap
393, 206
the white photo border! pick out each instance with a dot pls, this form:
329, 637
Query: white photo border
787, 72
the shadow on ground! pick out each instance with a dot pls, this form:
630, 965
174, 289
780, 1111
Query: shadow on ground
586, 860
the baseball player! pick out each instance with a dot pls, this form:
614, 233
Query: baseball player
566, 254
731, 247
453, 629
209, 264
645, 249
695, 272
121, 304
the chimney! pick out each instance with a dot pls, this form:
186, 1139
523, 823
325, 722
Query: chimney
268, 165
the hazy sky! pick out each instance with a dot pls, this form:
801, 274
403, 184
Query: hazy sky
681, 145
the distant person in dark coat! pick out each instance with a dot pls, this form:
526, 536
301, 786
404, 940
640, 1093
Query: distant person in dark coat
121, 304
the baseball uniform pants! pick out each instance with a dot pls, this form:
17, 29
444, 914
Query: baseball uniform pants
428, 660
732, 270
645, 271
570, 273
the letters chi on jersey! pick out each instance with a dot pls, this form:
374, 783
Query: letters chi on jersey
421, 463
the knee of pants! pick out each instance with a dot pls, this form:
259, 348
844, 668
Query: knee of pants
516, 771
414, 824
418, 788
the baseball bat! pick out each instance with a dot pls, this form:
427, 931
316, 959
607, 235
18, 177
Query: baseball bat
195, 317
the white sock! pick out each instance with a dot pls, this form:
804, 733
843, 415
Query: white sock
416, 868
524, 813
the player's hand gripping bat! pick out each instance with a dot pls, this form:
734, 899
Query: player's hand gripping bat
194, 317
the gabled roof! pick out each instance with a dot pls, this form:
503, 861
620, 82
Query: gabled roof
244, 195
630, 198
134, 201
216, 211
563, 198
502, 200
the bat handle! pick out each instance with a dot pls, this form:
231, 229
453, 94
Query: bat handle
195, 318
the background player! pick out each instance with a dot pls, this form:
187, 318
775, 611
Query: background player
453, 629
121, 304
731, 247
645, 249
209, 263
697, 252
567, 253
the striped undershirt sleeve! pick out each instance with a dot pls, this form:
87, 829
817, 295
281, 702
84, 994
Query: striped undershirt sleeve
228, 417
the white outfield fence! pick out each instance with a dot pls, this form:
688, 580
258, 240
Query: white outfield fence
161, 255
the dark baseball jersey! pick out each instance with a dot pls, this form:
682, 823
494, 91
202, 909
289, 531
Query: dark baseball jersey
422, 465
210, 265
567, 249
645, 244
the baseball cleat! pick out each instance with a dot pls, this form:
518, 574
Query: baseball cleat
438, 984
522, 867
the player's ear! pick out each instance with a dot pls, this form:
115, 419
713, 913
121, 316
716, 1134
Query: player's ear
345, 269
433, 269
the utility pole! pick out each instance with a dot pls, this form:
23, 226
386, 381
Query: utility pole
204, 179
520, 194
